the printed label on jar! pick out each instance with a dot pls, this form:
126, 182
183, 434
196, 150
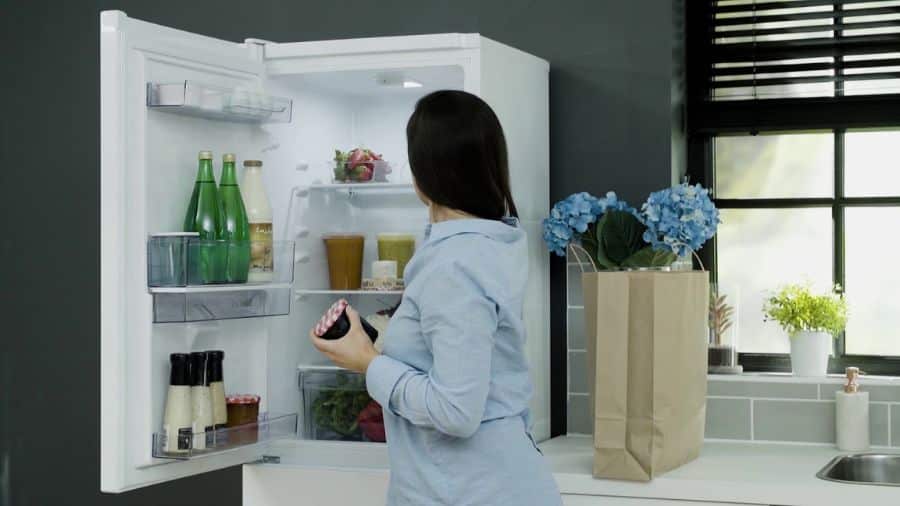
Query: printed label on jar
184, 438
261, 247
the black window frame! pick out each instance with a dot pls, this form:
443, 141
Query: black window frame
706, 119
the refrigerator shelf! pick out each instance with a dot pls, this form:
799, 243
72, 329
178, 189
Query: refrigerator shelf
220, 103
267, 428
306, 291
357, 188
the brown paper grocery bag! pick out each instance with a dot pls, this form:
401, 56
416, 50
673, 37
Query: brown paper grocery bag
646, 338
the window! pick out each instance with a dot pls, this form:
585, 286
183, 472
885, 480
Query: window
794, 122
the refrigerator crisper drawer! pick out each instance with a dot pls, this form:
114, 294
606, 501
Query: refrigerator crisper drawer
337, 407
216, 102
267, 428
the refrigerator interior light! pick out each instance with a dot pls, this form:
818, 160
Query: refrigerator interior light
396, 80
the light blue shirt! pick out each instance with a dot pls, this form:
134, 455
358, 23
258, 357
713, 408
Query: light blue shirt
453, 379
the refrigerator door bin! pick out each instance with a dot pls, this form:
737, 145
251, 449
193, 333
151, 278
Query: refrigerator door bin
216, 102
267, 428
220, 302
337, 407
179, 260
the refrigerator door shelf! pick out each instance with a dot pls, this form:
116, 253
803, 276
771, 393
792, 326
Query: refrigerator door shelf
182, 261
217, 102
220, 302
267, 428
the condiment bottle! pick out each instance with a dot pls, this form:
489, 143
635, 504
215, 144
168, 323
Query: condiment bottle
852, 411
259, 216
335, 324
201, 403
214, 368
177, 417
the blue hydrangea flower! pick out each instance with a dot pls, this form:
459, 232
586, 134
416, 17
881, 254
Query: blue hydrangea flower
679, 219
571, 217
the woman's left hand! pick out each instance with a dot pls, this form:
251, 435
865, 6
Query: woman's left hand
354, 351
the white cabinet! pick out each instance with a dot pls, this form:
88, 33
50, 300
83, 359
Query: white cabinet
291, 105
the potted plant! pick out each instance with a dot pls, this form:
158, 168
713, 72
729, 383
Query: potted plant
811, 321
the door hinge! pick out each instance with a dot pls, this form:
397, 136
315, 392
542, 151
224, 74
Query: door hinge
269, 459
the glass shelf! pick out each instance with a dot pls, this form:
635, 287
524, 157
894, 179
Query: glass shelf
306, 291
185, 276
215, 102
267, 428
361, 188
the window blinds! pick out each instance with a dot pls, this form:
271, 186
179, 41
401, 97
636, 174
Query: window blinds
759, 49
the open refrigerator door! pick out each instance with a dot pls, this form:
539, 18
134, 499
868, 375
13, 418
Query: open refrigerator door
168, 94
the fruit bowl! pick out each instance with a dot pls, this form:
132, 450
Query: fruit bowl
359, 166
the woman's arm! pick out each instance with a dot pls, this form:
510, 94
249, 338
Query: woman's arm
459, 322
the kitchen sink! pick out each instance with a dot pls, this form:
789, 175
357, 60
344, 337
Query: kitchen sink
865, 469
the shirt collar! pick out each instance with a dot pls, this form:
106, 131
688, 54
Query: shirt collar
444, 229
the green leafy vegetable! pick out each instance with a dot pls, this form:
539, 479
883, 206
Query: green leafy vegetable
338, 409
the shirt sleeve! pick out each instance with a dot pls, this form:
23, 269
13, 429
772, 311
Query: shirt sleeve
459, 322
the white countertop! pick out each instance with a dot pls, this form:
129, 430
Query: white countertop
753, 473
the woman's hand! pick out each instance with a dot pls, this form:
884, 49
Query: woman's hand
354, 351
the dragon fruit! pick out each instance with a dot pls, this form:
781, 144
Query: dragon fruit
356, 165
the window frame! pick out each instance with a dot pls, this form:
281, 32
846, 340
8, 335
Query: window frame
838, 202
706, 118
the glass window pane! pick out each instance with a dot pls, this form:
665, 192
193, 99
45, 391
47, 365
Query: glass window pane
872, 278
775, 166
760, 250
870, 163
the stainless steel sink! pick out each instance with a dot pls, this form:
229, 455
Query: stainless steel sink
864, 469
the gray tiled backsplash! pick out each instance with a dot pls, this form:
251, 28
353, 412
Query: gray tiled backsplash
878, 424
788, 420
576, 329
578, 374
579, 416
574, 286
877, 393
746, 408
728, 419
763, 390
895, 424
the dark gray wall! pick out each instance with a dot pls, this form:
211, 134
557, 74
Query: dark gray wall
611, 117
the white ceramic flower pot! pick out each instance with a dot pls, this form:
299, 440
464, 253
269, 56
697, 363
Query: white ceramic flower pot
810, 352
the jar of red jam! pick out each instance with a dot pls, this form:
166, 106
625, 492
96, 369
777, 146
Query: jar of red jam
243, 415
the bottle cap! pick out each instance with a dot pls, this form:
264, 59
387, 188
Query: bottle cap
214, 360
252, 163
852, 376
205, 155
179, 374
228, 157
198, 369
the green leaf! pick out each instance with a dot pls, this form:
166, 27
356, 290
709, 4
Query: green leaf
599, 254
620, 235
648, 257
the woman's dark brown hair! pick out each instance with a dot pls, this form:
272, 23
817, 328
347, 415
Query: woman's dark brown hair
457, 153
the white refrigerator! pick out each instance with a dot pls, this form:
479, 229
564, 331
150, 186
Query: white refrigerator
167, 94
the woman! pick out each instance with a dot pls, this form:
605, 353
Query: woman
453, 379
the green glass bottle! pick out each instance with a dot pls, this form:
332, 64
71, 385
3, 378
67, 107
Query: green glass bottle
204, 215
235, 227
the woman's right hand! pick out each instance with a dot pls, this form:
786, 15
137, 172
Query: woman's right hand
354, 351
